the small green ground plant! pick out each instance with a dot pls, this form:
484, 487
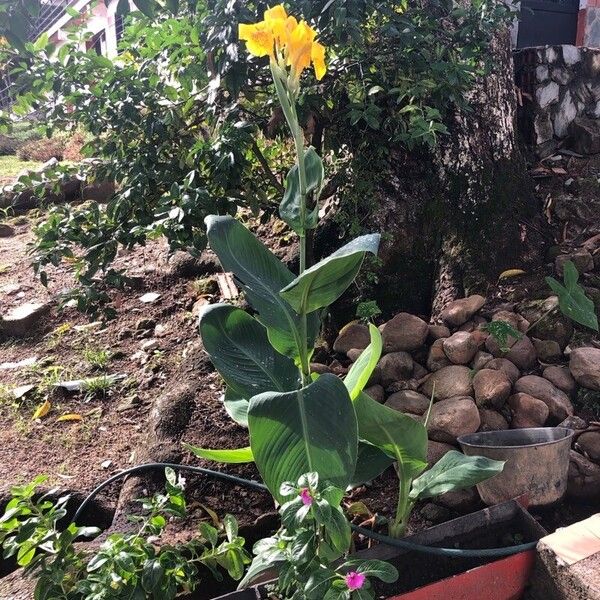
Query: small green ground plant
126, 566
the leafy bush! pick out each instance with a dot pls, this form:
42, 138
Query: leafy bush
22, 132
185, 128
126, 565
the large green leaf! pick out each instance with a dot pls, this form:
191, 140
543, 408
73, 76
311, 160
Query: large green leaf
454, 471
325, 282
261, 275
396, 434
290, 207
240, 350
233, 457
362, 369
572, 299
311, 429
370, 463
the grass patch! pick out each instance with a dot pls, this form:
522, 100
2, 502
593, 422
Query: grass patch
11, 166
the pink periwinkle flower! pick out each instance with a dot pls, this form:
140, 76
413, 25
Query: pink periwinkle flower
307, 499
355, 580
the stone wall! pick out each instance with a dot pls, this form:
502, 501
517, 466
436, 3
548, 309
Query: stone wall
560, 90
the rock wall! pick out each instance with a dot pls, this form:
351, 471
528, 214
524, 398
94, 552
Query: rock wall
560, 90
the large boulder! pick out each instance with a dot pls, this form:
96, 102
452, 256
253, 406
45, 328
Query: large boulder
522, 353
561, 377
507, 367
454, 380
460, 311
557, 401
437, 359
584, 135
436, 451
527, 411
492, 420
460, 348
408, 401
585, 367
353, 335
452, 418
491, 388
395, 366
405, 332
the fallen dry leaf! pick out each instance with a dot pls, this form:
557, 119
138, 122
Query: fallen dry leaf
70, 417
511, 273
42, 410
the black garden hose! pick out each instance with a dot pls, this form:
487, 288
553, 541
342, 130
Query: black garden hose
256, 485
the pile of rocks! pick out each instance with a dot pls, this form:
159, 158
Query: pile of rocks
477, 385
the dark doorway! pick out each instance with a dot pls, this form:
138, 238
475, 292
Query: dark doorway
547, 22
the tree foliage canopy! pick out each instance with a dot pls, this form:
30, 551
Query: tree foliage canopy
181, 120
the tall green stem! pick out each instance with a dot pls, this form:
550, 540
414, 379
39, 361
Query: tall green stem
397, 527
289, 110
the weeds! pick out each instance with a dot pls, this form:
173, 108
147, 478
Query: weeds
97, 359
97, 387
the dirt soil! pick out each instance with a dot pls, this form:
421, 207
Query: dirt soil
147, 344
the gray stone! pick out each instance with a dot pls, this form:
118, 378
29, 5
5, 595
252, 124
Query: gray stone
438, 331
585, 367
547, 94
463, 501
491, 387
22, 319
434, 513
566, 113
589, 443
582, 259
6, 230
452, 418
571, 54
584, 478
454, 380
376, 392
437, 359
480, 360
541, 73
460, 311
436, 450
542, 128
561, 76
584, 135
547, 350
492, 420
550, 55
527, 411
507, 367
404, 332
408, 401
353, 335
522, 353
573, 422
557, 401
561, 377
460, 348
395, 366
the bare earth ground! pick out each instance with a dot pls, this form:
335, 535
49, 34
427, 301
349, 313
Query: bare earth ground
77, 455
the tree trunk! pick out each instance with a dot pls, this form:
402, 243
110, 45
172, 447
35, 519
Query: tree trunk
459, 215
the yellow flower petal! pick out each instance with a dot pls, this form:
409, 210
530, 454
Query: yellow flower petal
258, 37
277, 12
300, 46
318, 60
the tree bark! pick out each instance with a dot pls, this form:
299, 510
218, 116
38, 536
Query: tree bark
460, 214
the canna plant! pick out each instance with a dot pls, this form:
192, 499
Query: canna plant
300, 422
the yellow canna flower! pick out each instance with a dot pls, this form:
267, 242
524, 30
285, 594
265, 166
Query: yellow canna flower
258, 37
287, 42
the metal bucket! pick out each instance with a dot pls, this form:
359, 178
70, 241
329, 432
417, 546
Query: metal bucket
537, 463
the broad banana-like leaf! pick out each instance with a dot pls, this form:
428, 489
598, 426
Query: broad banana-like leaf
261, 276
454, 471
236, 406
572, 299
370, 463
240, 350
325, 282
311, 429
290, 207
233, 457
396, 434
362, 369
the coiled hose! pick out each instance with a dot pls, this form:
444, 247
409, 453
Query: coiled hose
256, 485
